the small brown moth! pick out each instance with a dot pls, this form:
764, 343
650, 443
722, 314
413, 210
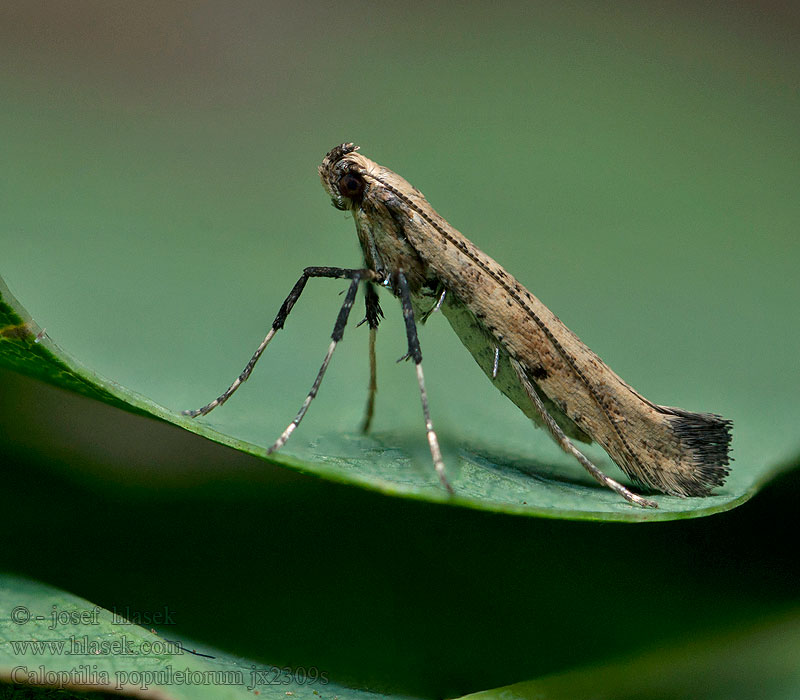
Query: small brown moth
522, 346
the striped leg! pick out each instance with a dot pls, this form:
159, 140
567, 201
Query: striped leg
373, 383
373, 317
415, 353
336, 336
277, 324
565, 444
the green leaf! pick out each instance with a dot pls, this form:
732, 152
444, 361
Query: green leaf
52, 638
747, 662
645, 192
487, 478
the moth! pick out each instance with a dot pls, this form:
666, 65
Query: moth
523, 347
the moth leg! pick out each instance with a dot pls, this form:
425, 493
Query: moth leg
439, 302
277, 324
436, 307
415, 353
373, 317
336, 336
566, 445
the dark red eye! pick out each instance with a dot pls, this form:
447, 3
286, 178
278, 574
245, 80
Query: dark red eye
351, 185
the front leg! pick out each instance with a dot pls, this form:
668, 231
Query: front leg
277, 324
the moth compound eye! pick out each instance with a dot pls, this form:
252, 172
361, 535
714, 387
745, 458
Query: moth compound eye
351, 185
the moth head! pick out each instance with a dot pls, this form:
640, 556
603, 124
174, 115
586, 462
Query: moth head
342, 173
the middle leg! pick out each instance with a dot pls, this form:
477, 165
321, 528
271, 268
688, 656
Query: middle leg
415, 353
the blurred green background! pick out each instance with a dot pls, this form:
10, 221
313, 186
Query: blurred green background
635, 165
